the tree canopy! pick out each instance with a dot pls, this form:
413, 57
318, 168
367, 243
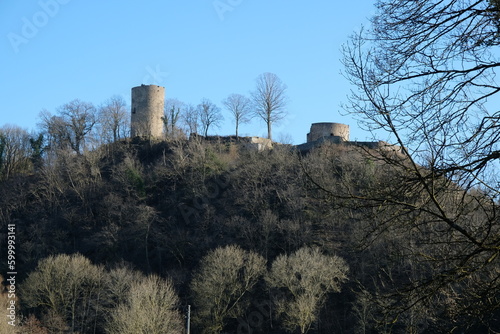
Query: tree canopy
425, 73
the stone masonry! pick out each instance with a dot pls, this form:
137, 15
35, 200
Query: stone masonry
147, 111
326, 129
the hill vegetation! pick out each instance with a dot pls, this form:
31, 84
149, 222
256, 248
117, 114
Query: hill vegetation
121, 239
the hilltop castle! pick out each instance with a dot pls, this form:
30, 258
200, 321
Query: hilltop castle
147, 121
338, 133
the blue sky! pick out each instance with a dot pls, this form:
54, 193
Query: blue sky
54, 51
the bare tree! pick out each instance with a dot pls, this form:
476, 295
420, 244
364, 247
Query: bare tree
72, 125
117, 284
150, 307
191, 118
80, 118
54, 129
32, 325
210, 115
240, 108
225, 276
114, 119
270, 100
307, 276
15, 151
65, 285
173, 108
424, 73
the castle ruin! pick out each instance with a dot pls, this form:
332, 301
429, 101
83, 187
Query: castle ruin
338, 133
147, 111
334, 131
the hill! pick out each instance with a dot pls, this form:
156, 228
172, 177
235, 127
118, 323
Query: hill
159, 208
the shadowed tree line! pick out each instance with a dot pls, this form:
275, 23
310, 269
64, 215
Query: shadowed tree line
225, 229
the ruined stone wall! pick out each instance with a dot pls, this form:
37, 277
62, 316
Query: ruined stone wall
320, 130
147, 111
249, 143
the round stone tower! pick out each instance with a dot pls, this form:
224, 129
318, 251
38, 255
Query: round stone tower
336, 131
147, 111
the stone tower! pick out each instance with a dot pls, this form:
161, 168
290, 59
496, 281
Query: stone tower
147, 111
336, 131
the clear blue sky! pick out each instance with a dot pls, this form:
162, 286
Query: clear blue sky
54, 51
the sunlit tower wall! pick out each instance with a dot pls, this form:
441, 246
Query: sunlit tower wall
147, 111
332, 130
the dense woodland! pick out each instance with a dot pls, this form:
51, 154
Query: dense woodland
128, 235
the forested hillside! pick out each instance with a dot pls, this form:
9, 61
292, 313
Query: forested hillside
106, 229
123, 238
